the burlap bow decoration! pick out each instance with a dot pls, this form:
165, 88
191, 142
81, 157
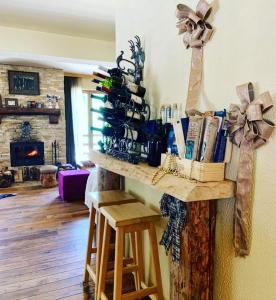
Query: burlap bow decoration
193, 24
249, 130
197, 33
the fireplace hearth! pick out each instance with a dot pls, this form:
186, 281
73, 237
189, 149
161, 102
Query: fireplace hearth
26, 153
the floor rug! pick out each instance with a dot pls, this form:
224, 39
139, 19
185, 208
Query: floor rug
2, 196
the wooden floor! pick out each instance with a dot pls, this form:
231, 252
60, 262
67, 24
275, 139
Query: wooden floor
42, 247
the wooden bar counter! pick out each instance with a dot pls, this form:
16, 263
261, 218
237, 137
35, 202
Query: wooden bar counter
181, 188
192, 279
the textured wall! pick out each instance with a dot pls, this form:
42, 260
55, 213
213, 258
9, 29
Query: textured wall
53, 44
242, 49
51, 82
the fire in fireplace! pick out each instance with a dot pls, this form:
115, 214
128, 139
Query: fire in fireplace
33, 153
27, 153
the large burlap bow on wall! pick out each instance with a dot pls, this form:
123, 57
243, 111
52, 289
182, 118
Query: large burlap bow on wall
196, 33
249, 130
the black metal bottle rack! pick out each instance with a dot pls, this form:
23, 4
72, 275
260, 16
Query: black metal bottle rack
125, 113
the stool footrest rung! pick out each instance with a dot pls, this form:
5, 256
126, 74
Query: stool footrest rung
126, 261
126, 270
103, 296
93, 250
140, 294
144, 286
91, 272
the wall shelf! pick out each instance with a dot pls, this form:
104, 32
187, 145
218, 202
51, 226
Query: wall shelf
23, 111
183, 189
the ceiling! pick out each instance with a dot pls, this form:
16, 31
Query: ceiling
67, 65
84, 18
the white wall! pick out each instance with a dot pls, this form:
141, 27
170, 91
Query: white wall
242, 49
16, 40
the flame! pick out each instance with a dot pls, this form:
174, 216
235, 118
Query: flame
32, 153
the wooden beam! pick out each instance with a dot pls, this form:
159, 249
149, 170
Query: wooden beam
78, 75
24, 111
181, 188
193, 278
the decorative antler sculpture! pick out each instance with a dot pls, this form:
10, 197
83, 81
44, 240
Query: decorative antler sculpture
138, 57
140, 52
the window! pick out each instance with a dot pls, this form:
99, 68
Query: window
96, 135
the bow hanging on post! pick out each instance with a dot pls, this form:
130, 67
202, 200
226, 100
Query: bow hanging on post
248, 130
176, 210
197, 33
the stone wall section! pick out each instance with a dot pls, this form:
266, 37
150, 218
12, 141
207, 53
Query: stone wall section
51, 82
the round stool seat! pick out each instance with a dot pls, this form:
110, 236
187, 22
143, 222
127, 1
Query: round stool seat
48, 176
48, 169
107, 198
129, 214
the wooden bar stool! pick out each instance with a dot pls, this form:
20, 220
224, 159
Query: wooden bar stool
98, 200
131, 218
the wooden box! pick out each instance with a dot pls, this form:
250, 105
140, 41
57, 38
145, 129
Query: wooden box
200, 171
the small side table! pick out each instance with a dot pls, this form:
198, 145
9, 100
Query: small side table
72, 184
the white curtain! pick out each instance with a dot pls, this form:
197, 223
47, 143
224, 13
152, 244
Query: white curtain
80, 120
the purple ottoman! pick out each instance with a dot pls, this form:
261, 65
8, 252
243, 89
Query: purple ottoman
72, 184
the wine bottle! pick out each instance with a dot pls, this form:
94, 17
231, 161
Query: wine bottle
123, 95
96, 80
131, 134
111, 82
129, 78
137, 100
103, 89
118, 117
119, 132
100, 75
110, 131
119, 95
134, 115
136, 89
115, 72
120, 113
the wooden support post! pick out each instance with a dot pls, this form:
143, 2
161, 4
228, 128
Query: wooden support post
193, 278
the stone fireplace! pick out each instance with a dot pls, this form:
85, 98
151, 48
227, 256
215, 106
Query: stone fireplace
51, 82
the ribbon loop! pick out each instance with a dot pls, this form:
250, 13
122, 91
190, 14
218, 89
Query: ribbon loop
254, 112
265, 100
203, 9
245, 92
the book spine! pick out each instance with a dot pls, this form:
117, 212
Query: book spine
193, 137
220, 147
179, 137
185, 126
209, 139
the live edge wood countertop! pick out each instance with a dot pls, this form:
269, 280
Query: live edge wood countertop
181, 188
